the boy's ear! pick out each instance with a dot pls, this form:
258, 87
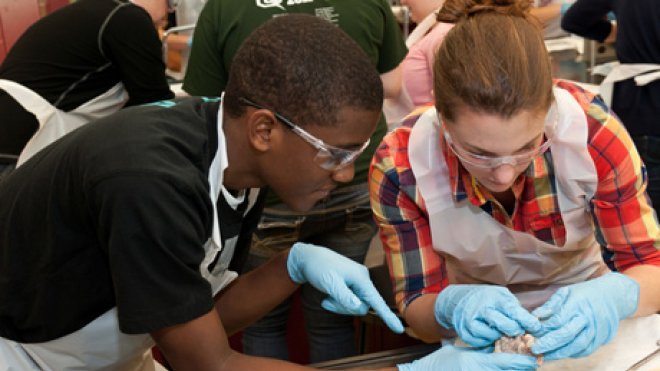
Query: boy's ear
262, 129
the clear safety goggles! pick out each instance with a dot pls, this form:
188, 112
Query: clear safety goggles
328, 157
491, 162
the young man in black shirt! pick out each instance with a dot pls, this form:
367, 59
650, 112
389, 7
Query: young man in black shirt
124, 231
79, 63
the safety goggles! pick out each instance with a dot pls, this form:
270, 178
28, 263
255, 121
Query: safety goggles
491, 162
328, 157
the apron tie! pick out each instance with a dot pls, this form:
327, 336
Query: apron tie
641, 73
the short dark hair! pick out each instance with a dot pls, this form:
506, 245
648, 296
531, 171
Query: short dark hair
305, 68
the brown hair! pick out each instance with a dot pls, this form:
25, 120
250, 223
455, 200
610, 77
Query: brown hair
453, 11
494, 60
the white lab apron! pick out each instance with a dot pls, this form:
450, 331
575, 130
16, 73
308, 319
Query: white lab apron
100, 345
478, 249
642, 73
55, 123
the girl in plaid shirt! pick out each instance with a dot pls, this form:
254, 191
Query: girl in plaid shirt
494, 204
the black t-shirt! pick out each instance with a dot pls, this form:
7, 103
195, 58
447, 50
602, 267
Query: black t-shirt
77, 53
114, 214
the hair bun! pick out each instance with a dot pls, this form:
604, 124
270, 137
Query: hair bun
454, 11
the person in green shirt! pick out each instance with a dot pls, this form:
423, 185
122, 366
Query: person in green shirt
343, 220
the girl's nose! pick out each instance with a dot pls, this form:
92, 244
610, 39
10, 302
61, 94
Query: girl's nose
504, 174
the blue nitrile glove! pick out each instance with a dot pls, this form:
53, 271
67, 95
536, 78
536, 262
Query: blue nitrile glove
347, 283
481, 314
449, 358
581, 317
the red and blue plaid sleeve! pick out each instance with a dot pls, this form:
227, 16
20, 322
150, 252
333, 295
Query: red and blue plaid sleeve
415, 268
621, 209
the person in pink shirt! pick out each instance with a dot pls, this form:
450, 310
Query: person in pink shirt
434, 18
416, 68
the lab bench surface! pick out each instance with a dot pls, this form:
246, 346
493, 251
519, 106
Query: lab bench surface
387, 358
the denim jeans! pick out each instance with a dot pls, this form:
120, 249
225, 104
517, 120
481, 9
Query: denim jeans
344, 223
649, 149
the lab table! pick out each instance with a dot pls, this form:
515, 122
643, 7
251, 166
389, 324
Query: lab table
387, 358
636, 339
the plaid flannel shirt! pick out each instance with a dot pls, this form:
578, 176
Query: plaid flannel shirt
624, 222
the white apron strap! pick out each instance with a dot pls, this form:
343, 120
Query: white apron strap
55, 123
221, 276
643, 74
103, 105
422, 28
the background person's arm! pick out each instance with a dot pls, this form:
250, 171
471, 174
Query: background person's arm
588, 18
547, 14
392, 81
611, 38
130, 41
